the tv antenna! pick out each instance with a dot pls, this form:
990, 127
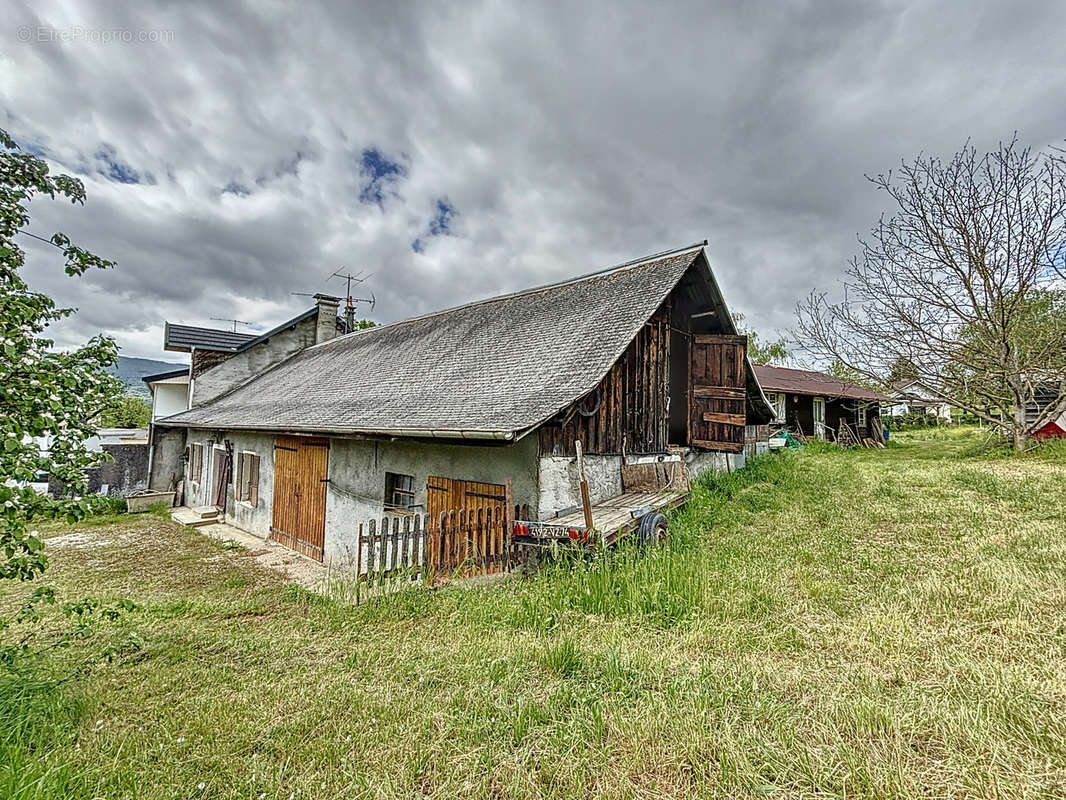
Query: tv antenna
235, 322
349, 308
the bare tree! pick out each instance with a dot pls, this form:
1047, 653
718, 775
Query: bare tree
964, 280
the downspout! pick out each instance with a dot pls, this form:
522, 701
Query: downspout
188, 394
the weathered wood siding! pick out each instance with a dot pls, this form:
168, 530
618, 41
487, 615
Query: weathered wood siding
629, 410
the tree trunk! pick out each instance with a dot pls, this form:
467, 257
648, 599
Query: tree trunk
1018, 431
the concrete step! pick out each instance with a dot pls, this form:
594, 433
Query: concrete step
188, 516
205, 512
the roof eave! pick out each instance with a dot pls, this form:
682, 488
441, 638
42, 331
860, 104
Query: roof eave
403, 433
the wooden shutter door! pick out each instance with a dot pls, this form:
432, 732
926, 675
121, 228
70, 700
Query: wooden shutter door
718, 372
473, 533
300, 494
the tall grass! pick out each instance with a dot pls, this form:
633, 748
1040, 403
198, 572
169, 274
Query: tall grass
37, 714
866, 623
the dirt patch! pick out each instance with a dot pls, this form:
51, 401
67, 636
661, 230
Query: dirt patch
295, 567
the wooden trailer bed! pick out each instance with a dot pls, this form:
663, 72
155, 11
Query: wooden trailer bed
613, 518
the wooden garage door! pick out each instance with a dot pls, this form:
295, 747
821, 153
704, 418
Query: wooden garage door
471, 537
718, 373
300, 494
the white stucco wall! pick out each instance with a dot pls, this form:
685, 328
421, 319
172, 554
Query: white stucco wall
560, 484
356, 471
241, 514
699, 462
356, 492
169, 398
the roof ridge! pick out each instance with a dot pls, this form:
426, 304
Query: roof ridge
521, 293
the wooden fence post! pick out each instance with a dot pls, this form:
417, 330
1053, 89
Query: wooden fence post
358, 563
508, 523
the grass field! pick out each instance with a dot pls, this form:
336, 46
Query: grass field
886, 623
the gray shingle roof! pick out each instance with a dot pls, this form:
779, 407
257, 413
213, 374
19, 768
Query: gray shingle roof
498, 367
184, 337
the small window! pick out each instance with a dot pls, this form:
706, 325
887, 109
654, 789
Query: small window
248, 478
862, 416
196, 463
399, 492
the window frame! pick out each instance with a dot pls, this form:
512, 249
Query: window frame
391, 489
246, 478
862, 416
196, 462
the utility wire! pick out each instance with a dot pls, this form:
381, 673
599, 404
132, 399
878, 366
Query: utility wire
39, 238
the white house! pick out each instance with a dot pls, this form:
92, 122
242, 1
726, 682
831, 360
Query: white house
170, 392
913, 397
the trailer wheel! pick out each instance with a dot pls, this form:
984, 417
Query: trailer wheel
653, 529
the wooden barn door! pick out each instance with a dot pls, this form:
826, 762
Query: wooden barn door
471, 536
718, 373
300, 494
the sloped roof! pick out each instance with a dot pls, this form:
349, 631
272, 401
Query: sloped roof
803, 381
170, 376
491, 369
182, 338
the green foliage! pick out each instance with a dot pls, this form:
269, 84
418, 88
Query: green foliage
129, 411
763, 352
43, 392
840, 370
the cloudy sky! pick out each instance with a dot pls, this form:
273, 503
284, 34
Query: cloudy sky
234, 154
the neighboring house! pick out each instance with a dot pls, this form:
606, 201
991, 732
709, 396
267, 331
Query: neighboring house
913, 397
1045, 396
170, 392
814, 403
442, 411
221, 360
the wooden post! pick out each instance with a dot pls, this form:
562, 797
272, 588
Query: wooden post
358, 562
508, 523
586, 503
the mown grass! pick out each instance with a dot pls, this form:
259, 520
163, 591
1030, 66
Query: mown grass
886, 623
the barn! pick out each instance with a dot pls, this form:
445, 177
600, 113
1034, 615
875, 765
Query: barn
474, 407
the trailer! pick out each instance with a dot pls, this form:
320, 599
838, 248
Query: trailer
652, 486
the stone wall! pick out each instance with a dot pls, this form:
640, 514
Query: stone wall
125, 472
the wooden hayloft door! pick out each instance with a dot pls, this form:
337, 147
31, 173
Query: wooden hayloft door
300, 494
718, 374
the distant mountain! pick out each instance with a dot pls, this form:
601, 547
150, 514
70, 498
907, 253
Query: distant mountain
131, 370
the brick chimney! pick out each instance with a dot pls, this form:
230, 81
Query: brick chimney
326, 328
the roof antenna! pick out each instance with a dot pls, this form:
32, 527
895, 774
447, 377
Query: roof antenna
349, 308
235, 322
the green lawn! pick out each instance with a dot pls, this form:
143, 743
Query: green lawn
887, 623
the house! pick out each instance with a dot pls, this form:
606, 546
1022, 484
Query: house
815, 403
443, 411
913, 397
1044, 398
170, 392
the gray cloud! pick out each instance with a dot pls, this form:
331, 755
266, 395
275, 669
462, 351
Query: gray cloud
226, 167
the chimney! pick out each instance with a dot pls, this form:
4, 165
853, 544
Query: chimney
326, 327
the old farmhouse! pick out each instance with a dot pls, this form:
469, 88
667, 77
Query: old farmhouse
443, 410
814, 404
